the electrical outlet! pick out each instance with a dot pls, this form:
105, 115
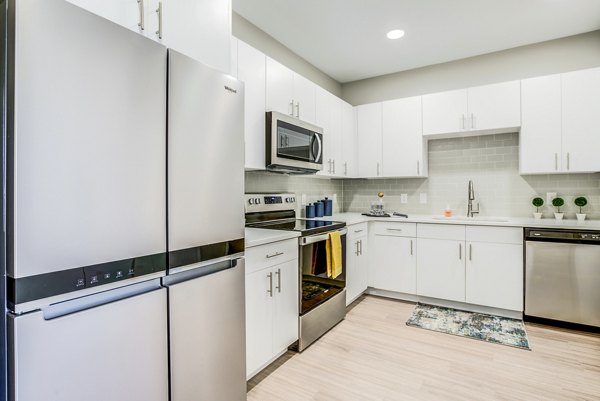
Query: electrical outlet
403, 198
303, 200
423, 197
549, 197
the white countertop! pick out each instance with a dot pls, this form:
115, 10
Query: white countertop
355, 218
261, 236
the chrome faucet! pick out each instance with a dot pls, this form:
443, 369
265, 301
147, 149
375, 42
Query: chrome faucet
470, 211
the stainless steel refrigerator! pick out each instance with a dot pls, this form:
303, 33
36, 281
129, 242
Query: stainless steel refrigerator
205, 233
85, 186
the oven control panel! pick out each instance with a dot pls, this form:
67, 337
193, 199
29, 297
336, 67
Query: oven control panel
269, 202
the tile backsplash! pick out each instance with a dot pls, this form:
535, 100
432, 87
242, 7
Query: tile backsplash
315, 188
491, 161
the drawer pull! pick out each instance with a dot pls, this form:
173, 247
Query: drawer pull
394, 229
274, 255
358, 231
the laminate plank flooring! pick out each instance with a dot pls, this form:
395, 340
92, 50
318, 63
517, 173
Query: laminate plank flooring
373, 356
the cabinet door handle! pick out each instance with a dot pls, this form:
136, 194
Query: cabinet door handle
333, 166
292, 105
418, 168
142, 23
278, 272
159, 12
411, 247
377, 169
274, 255
298, 109
357, 252
345, 168
463, 122
459, 251
556, 161
568, 161
360, 242
270, 290
472, 121
470, 252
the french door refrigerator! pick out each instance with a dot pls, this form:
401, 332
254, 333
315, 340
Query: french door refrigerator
85, 205
205, 233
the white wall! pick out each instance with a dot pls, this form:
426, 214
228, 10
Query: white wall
259, 39
555, 56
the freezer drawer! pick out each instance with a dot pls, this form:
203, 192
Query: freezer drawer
117, 351
207, 336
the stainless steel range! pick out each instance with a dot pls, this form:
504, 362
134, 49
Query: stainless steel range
322, 302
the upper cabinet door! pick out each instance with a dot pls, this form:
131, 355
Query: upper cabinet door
349, 167
445, 112
280, 88
403, 154
252, 71
368, 120
494, 106
131, 14
580, 124
200, 29
304, 99
540, 139
323, 120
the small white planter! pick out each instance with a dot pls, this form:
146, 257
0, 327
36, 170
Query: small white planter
559, 216
580, 216
537, 216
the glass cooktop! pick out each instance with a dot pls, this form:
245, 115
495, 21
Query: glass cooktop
306, 227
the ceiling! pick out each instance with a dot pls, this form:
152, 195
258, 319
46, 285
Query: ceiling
347, 40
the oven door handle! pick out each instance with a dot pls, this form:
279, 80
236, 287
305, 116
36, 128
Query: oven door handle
318, 237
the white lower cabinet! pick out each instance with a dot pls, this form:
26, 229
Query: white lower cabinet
271, 304
393, 264
441, 269
357, 262
494, 267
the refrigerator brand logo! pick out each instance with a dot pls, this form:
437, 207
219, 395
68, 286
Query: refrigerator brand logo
230, 89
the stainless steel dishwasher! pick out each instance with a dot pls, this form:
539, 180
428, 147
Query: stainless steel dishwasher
562, 277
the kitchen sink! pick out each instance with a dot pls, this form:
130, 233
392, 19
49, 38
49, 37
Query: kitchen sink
469, 219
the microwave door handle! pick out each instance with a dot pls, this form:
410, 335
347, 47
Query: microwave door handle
318, 140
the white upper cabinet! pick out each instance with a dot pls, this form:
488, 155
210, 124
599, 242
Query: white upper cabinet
580, 120
495, 108
200, 29
369, 126
251, 69
329, 117
404, 151
349, 141
445, 112
290, 93
541, 133
131, 14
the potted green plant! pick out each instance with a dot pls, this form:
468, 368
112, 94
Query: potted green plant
538, 203
580, 202
558, 202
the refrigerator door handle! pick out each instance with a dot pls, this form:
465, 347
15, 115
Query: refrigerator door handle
91, 301
203, 269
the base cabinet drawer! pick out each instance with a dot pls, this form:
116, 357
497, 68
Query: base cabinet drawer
262, 256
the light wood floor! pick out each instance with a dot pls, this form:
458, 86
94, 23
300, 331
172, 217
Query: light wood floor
372, 355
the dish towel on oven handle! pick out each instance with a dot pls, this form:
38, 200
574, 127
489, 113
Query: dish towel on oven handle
333, 246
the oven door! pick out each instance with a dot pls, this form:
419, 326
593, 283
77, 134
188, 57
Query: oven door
316, 285
293, 144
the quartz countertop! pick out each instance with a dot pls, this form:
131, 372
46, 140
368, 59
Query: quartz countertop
356, 218
261, 236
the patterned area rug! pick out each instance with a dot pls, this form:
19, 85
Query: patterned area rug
490, 328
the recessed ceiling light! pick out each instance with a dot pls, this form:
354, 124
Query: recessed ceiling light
395, 34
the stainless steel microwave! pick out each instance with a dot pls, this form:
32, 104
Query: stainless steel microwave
293, 146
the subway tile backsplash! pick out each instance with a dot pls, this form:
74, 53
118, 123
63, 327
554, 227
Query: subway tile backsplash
491, 161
